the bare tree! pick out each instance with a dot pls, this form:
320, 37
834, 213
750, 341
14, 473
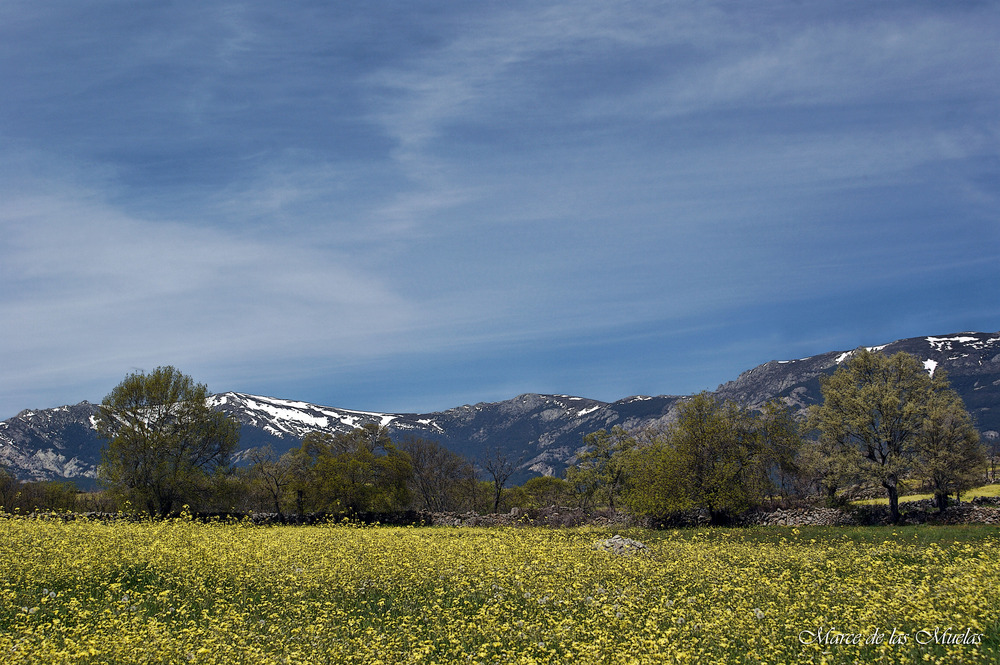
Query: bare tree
273, 473
992, 455
500, 468
438, 473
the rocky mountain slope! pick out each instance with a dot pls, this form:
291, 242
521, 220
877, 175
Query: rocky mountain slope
971, 360
542, 432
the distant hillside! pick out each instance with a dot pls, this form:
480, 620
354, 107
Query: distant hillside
544, 432
971, 360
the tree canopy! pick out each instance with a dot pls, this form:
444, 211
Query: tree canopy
164, 444
949, 454
355, 472
718, 456
599, 471
884, 418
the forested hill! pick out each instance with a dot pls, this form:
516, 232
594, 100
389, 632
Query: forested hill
542, 431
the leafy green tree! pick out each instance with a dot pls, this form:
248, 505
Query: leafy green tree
515, 497
360, 471
824, 469
480, 495
780, 444
543, 491
882, 414
30, 496
992, 455
600, 470
164, 444
658, 478
726, 468
949, 454
583, 486
717, 455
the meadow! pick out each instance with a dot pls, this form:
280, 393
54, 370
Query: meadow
181, 591
991, 490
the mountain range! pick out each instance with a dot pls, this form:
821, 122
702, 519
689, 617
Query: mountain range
541, 432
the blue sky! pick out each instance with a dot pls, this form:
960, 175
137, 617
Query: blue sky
413, 206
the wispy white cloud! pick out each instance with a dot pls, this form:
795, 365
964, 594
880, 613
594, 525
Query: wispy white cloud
83, 280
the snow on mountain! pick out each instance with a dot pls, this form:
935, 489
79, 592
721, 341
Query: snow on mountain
51, 443
287, 418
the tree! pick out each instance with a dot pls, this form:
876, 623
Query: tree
823, 469
370, 437
544, 491
601, 467
10, 488
878, 412
992, 455
355, 472
440, 476
717, 455
658, 477
949, 454
722, 456
164, 443
780, 444
499, 468
272, 473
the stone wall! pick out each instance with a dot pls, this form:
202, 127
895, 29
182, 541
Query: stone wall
911, 512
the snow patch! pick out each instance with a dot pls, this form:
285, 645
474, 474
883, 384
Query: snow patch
279, 412
847, 354
283, 416
930, 366
583, 412
944, 343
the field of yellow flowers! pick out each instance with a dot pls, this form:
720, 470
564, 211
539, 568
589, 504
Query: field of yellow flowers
181, 591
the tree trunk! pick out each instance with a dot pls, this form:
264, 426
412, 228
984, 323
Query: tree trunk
831, 495
719, 517
893, 491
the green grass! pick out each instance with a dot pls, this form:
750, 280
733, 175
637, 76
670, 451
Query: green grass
920, 535
985, 490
